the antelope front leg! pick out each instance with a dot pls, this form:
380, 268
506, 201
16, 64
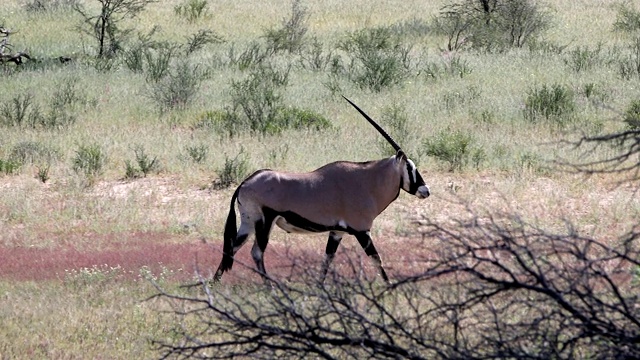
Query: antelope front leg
364, 238
330, 252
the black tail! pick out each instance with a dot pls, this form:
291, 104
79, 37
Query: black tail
230, 233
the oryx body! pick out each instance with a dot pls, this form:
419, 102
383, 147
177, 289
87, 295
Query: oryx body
341, 198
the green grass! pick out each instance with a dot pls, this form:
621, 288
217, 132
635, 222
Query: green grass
119, 111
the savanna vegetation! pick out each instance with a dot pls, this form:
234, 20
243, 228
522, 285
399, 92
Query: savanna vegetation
125, 124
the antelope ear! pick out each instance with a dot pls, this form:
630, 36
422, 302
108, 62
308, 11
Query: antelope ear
401, 156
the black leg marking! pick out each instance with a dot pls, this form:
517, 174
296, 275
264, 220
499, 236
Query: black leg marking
367, 244
263, 228
332, 247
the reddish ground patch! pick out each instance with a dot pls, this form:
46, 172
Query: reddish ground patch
156, 251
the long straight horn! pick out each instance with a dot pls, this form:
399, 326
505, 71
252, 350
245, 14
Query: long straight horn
375, 125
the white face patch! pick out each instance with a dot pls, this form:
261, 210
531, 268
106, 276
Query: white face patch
342, 224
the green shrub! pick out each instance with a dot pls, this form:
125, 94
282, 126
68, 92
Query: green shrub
290, 37
33, 152
632, 115
19, 111
451, 66
314, 57
629, 66
178, 88
627, 18
89, 161
9, 167
258, 98
254, 55
233, 172
584, 58
198, 40
554, 102
396, 122
451, 147
297, 119
192, 10
224, 122
496, 25
157, 61
24, 112
145, 164
378, 58
43, 173
197, 153
49, 5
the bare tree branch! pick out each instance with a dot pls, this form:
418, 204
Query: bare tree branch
499, 287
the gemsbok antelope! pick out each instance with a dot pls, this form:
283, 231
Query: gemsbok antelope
342, 197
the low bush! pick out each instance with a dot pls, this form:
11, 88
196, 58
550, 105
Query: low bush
453, 147
9, 167
178, 88
145, 164
33, 152
632, 115
192, 10
555, 102
627, 18
377, 58
290, 37
233, 171
89, 161
197, 153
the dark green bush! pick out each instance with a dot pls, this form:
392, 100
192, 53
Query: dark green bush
192, 10
197, 153
584, 58
629, 65
378, 58
627, 18
24, 112
555, 102
33, 152
233, 171
9, 167
290, 37
492, 25
258, 97
298, 119
396, 122
89, 161
453, 147
178, 88
632, 115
